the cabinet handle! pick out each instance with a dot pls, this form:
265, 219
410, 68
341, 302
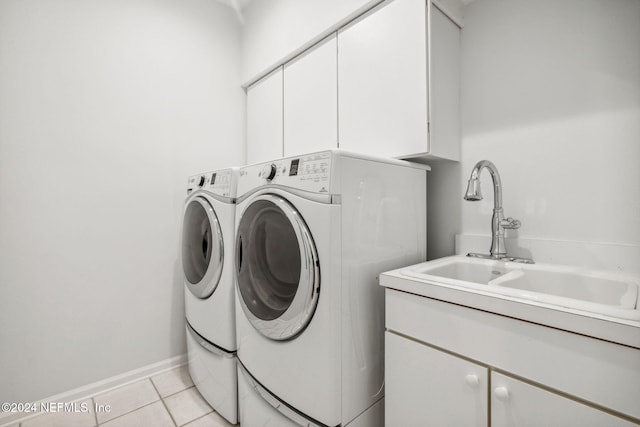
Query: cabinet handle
472, 380
501, 393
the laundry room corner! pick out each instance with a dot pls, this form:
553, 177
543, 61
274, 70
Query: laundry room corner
105, 110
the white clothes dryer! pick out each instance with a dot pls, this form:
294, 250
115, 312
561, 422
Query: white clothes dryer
313, 233
208, 231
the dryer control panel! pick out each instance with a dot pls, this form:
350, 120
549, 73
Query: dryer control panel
220, 182
311, 172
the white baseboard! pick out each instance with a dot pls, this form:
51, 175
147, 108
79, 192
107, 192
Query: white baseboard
90, 390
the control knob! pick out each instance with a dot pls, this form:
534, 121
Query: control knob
269, 172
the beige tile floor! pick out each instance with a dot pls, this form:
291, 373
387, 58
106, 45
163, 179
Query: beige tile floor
167, 399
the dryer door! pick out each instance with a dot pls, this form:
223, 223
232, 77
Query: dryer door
202, 247
278, 272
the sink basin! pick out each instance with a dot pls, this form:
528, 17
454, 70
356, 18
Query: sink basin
603, 292
460, 270
583, 287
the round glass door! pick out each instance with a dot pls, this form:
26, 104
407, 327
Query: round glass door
202, 248
278, 273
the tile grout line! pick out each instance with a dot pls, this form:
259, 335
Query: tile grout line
202, 416
20, 421
133, 410
178, 392
95, 413
160, 398
166, 408
40, 414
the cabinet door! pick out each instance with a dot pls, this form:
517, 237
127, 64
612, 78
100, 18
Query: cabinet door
427, 387
382, 81
311, 100
264, 119
515, 404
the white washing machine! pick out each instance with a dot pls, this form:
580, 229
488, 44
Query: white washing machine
208, 236
313, 233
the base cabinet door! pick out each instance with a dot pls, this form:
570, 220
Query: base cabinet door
428, 387
518, 404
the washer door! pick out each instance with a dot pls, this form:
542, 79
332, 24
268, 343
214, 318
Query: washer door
278, 273
202, 247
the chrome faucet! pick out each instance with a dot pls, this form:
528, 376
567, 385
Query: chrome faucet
498, 222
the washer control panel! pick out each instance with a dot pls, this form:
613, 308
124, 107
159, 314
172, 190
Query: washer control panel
310, 172
221, 182
269, 171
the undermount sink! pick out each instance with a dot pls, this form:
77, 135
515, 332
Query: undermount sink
603, 292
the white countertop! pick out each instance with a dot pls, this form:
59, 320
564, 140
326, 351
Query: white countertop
620, 331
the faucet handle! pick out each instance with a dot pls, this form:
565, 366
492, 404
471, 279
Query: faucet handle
510, 223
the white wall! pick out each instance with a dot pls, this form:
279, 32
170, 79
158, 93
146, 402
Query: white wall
105, 108
276, 29
550, 94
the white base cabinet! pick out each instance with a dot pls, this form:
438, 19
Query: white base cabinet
427, 387
449, 365
517, 403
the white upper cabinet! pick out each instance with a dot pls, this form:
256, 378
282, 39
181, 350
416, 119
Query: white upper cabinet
278, 30
391, 91
311, 100
264, 119
382, 75
386, 84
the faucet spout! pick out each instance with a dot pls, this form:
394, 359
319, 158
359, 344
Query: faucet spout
498, 248
473, 188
